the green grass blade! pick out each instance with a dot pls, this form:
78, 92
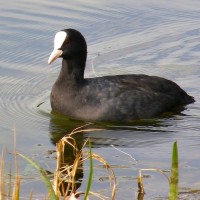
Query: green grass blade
89, 183
45, 179
173, 187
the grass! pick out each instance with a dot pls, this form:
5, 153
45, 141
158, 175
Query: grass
173, 180
89, 183
173, 186
63, 185
44, 177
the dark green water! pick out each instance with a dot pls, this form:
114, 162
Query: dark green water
123, 37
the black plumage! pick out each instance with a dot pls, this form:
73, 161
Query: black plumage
109, 98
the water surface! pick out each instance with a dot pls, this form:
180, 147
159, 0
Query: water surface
153, 37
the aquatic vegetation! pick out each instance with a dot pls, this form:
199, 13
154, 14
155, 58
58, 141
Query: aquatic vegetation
66, 173
65, 182
173, 180
90, 173
44, 177
173, 188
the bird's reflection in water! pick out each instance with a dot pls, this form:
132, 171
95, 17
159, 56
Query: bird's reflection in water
113, 134
59, 127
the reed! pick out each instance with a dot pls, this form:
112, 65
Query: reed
63, 184
66, 173
173, 184
8, 189
2, 181
173, 179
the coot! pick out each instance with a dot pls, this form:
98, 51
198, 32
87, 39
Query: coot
108, 98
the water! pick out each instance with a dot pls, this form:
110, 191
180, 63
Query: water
153, 37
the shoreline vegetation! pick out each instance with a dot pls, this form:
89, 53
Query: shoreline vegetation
67, 176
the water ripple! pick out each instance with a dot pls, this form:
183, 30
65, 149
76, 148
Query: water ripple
150, 37
143, 43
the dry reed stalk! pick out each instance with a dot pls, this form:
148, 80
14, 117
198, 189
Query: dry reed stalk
67, 173
16, 188
2, 181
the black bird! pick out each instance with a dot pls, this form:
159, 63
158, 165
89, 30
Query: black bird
109, 98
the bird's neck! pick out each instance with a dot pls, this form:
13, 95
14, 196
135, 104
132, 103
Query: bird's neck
72, 72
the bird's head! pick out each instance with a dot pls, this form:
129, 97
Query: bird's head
69, 44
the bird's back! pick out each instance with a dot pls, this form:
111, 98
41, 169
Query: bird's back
128, 97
